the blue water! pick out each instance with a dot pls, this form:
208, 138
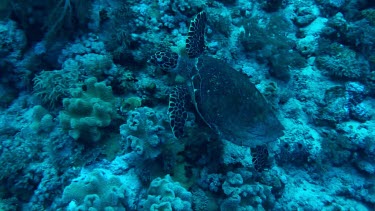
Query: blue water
85, 106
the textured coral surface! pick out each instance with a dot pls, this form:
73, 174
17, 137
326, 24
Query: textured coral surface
85, 124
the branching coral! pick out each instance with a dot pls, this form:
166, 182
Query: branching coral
52, 86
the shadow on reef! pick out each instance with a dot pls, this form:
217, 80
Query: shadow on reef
59, 18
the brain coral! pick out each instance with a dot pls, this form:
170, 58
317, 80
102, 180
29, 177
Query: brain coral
145, 132
165, 194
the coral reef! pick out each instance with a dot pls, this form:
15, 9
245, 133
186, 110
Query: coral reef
343, 63
84, 118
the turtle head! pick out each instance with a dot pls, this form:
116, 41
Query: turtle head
195, 45
165, 60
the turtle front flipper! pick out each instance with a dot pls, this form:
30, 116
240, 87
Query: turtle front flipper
177, 110
195, 43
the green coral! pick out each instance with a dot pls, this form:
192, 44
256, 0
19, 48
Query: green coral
130, 103
42, 120
88, 112
98, 190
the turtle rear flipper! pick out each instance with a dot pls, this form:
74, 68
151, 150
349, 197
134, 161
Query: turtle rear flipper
195, 43
177, 110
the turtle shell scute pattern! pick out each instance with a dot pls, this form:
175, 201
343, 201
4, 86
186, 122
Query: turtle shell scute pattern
165, 60
177, 110
195, 43
231, 105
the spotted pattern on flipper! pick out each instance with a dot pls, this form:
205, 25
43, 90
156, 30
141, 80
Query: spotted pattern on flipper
177, 110
195, 43
166, 60
260, 158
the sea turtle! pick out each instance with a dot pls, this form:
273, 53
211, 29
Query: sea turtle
224, 98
